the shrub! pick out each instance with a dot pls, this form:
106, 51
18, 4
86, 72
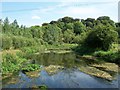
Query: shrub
102, 37
103, 53
109, 56
19, 42
11, 63
28, 51
31, 67
6, 42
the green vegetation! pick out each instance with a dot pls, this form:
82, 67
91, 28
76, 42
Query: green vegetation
30, 67
109, 56
11, 63
96, 37
42, 87
102, 38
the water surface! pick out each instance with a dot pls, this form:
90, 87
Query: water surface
69, 77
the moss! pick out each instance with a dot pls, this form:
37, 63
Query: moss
95, 72
33, 74
107, 66
101, 70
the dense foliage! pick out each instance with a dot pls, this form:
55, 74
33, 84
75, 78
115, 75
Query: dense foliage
94, 36
102, 37
11, 63
65, 30
31, 67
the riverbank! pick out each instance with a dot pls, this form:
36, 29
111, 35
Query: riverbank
12, 60
16, 58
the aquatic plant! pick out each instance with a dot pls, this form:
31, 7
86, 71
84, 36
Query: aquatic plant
31, 67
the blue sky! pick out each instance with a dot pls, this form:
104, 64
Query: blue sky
36, 13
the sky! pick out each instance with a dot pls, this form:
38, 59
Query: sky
36, 13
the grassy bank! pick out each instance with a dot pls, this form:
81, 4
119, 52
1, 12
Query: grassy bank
12, 60
111, 55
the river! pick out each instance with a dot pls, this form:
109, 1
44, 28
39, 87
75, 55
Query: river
68, 77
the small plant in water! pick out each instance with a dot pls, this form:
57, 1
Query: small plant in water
31, 67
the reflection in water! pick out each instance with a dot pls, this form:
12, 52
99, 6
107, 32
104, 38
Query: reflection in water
46, 59
69, 76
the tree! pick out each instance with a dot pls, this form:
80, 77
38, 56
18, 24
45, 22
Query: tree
76, 19
117, 24
79, 39
37, 32
1, 25
61, 25
105, 20
6, 25
52, 34
69, 36
53, 22
102, 37
44, 24
14, 28
69, 26
6, 42
15, 24
27, 33
67, 19
89, 22
79, 28
118, 30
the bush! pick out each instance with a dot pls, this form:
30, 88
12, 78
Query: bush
11, 63
109, 56
84, 50
19, 42
6, 42
28, 51
32, 49
31, 67
102, 37
103, 53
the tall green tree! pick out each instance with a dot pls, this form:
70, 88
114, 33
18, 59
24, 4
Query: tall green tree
69, 36
52, 34
105, 20
89, 22
67, 19
1, 26
6, 26
102, 37
79, 27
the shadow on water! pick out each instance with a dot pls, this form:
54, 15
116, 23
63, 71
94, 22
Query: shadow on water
60, 70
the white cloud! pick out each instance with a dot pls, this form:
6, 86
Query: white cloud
35, 17
79, 10
58, 0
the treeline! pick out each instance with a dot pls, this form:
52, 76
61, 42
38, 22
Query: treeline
95, 33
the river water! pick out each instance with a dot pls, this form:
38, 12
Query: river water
69, 77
